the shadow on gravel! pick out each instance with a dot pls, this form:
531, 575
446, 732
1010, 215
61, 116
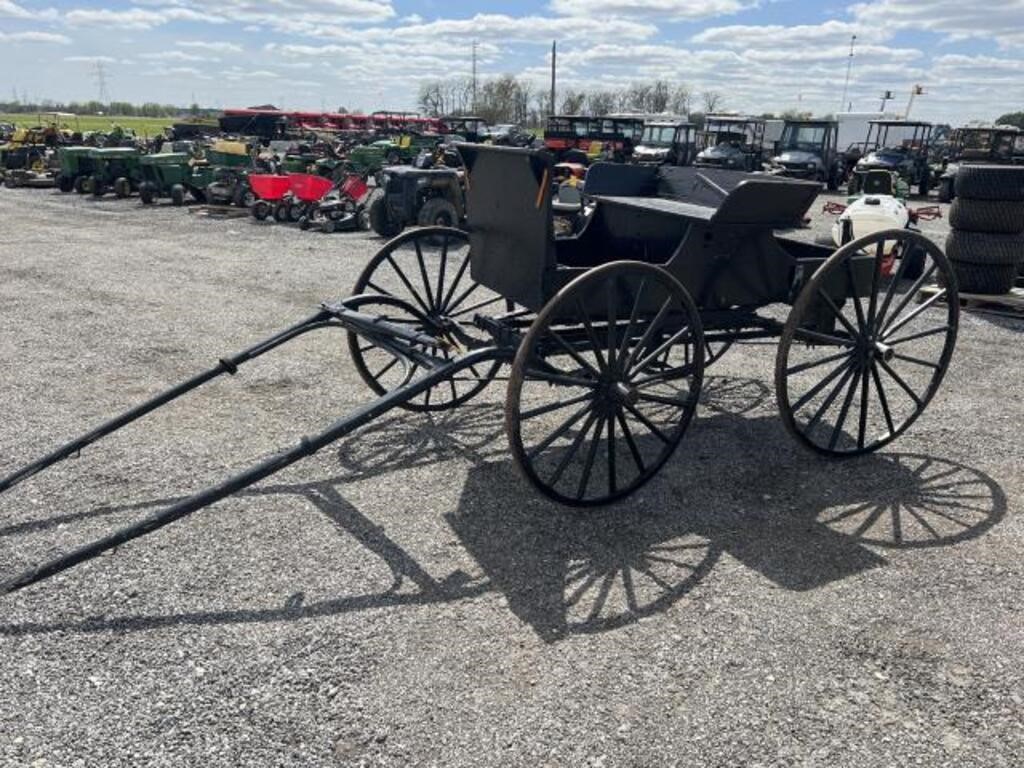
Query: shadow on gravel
738, 484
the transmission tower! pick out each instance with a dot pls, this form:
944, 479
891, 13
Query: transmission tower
99, 74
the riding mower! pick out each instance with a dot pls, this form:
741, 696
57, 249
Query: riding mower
168, 174
426, 197
76, 169
115, 168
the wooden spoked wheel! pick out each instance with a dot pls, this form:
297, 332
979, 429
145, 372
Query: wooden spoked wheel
427, 269
605, 383
864, 350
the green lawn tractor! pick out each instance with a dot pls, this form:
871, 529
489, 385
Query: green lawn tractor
116, 169
168, 174
76, 169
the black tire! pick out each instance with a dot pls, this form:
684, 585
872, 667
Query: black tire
393, 158
946, 186
147, 193
636, 384
925, 185
438, 212
363, 220
985, 248
853, 185
304, 223
832, 183
380, 221
987, 279
178, 195
65, 183
993, 216
81, 185
281, 213
328, 227
407, 272
260, 210
990, 182
916, 259
838, 340
122, 187
97, 188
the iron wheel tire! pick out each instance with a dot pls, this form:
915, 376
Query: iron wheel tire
889, 337
635, 373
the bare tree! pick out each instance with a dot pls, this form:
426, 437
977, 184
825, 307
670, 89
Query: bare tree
601, 102
681, 101
573, 102
712, 101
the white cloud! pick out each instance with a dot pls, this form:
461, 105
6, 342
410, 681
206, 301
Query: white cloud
91, 59
675, 10
212, 47
34, 37
1002, 20
11, 10
175, 56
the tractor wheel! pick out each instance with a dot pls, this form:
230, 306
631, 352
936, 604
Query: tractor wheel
281, 213
380, 221
122, 187
243, 196
98, 188
65, 183
946, 189
438, 212
990, 182
81, 185
328, 227
925, 185
304, 223
832, 183
296, 211
178, 195
147, 193
363, 220
260, 210
393, 158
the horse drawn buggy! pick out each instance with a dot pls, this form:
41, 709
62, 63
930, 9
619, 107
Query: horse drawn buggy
608, 332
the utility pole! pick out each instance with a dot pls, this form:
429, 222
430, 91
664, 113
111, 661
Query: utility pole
849, 67
473, 92
886, 96
554, 57
917, 90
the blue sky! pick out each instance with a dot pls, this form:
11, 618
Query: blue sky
760, 55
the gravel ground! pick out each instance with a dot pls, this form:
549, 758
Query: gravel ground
406, 599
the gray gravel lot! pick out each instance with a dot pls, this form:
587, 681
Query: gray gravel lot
407, 599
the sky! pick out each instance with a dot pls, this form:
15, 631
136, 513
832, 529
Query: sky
760, 55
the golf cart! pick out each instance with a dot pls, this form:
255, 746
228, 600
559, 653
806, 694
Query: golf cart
665, 143
807, 150
900, 146
408, 195
993, 145
469, 127
731, 142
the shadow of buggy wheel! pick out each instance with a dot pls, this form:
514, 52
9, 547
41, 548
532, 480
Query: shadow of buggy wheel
861, 354
605, 383
426, 271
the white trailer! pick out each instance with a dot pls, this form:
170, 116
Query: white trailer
853, 127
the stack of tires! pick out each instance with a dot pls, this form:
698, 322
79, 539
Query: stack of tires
986, 244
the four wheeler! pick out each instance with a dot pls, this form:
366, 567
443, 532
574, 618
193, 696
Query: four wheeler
607, 334
998, 145
167, 174
427, 197
900, 146
76, 169
807, 150
665, 143
731, 142
115, 169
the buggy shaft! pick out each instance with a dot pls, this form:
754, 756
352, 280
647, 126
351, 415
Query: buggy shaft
306, 447
227, 365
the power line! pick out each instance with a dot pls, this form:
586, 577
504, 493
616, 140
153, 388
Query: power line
99, 74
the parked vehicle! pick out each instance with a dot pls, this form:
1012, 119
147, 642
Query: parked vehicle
167, 174
731, 142
808, 150
427, 197
115, 169
470, 127
666, 143
577, 138
76, 169
900, 146
994, 145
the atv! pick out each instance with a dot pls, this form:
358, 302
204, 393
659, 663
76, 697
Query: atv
423, 196
807, 150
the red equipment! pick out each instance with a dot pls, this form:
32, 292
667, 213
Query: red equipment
309, 188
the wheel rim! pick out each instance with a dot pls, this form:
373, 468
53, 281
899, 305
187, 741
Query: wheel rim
428, 269
853, 374
605, 384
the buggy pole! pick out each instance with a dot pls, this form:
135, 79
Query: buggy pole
306, 447
228, 365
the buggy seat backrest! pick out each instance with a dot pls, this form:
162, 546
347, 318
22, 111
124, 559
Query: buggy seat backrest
508, 216
877, 182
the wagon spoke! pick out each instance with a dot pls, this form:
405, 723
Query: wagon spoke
665, 347
626, 433
664, 375
862, 424
809, 395
624, 345
378, 289
804, 334
917, 361
591, 335
838, 313
612, 479
564, 427
573, 448
917, 311
816, 363
678, 402
541, 410
903, 385
827, 403
595, 442
645, 339
876, 270
919, 335
858, 307
440, 271
612, 300
462, 297
558, 378
455, 282
386, 368
423, 273
573, 353
478, 305
882, 399
406, 283
887, 327
890, 292
647, 423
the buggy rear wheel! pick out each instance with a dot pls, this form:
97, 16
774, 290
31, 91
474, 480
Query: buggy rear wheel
605, 383
428, 271
862, 353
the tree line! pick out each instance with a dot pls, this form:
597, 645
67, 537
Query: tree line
119, 108
507, 99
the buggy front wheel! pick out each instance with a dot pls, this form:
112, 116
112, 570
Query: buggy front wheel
425, 276
864, 351
605, 383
